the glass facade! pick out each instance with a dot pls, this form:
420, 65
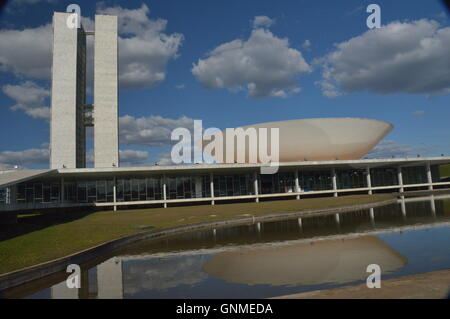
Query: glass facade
139, 189
233, 185
414, 175
38, 192
354, 178
96, 191
2, 196
182, 187
315, 180
384, 176
435, 173
150, 188
283, 182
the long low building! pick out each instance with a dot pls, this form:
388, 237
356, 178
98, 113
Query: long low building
113, 188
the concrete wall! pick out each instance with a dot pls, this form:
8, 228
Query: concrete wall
68, 91
106, 137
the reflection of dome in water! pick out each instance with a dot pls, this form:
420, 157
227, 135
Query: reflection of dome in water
328, 261
162, 273
323, 139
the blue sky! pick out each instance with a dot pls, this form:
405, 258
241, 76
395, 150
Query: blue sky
404, 81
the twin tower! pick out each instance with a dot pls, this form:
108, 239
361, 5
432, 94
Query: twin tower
70, 115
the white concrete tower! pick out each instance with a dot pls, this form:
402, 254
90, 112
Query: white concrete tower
67, 136
106, 135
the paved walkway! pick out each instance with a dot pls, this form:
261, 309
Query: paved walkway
432, 285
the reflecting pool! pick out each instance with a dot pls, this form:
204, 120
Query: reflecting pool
268, 259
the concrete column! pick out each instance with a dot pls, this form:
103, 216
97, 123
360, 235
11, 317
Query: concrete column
429, 177
164, 191
198, 186
115, 193
433, 206
334, 179
372, 216
369, 180
211, 187
400, 179
297, 184
403, 207
255, 183
11, 195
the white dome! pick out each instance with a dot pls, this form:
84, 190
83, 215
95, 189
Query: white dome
321, 139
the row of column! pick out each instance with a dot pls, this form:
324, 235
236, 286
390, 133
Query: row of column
297, 184
11, 190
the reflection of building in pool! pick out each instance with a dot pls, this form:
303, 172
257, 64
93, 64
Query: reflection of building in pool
324, 261
104, 283
333, 248
128, 275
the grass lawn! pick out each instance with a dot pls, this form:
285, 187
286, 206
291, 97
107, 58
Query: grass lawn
42, 237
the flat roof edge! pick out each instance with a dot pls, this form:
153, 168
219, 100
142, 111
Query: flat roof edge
24, 178
445, 159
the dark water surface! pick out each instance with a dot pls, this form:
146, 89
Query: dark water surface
268, 259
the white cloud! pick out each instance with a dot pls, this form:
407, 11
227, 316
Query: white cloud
132, 157
262, 22
306, 45
264, 64
150, 131
24, 158
418, 113
144, 49
29, 98
127, 157
165, 159
180, 86
387, 149
27, 52
401, 57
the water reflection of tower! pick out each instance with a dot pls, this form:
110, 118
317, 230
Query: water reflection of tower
107, 284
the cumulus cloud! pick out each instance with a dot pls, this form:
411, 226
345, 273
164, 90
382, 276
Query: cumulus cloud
29, 98
144, 48
150, 131
401, 57
27, 52
264, 64
127, 157
387, 149
262, 22
24, 158
165, 159
132, 157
